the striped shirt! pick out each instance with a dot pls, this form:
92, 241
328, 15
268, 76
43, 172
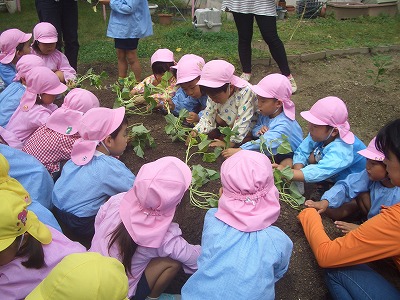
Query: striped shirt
262, 7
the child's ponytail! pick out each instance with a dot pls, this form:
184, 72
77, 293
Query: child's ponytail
32, 249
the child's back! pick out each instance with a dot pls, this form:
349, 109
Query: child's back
242, 254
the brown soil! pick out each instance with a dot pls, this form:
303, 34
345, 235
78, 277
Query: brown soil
370, 107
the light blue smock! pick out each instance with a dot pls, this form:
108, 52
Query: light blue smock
238, 265
129, 19
9, 101
7, 73
338, 159
182, 100
354, 184
277, 126
81, 190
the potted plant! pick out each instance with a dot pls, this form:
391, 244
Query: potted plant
164, 16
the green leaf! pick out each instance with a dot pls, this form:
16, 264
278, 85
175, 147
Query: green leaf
169, 128
217, 151
209, 157
139, 129
287, 173
203, 145
294, 192
139, 151
183, 113
212, 202
284, 147
171, 119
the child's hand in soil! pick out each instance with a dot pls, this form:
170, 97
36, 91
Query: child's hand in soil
218, 143
320, 206
345, 227
229, 152
263, 130
192, 118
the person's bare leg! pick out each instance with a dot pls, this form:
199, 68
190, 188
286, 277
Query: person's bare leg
134, 64
122, 63
159, 274
342, 212
287, 162
364, 202
345, 227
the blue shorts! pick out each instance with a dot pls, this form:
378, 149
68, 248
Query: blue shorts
126, 44
142, 289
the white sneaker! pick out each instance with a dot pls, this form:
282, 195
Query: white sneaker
246, 76
293, 83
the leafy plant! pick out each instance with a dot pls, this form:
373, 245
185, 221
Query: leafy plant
228, 133
382, 64
288, 191
161, 90
140, 137
95, 80
174, 127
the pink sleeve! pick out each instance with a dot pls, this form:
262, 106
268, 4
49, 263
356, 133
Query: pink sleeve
39, 117
65, 67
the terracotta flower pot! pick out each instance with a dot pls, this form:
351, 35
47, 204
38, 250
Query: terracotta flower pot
165, 19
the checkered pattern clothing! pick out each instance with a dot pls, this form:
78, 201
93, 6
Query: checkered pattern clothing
50, 147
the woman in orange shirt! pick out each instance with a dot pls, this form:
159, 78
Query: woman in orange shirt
377, 238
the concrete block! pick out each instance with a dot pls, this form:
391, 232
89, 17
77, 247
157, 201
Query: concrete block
313, 56
334, 52
294, 58
361, 50
380, 49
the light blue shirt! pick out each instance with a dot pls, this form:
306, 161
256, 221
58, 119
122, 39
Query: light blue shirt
338, 159
354, 184
182, 100
238, 265
7, 73
9, 101
277, 126
81, 190
129, 19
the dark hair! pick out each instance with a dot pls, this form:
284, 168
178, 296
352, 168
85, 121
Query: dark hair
126, 245
160, 67
213, 91
388, 139
32, 249
116, 131
35, 46
20, 47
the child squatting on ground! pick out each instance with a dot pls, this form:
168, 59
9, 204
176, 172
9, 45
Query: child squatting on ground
13, 45
329, 152
230, 102
242, 255
29, 250
136, 227
276, 118
52, 143
189, 94
365, 192
161, 62
10, 98
93, 174
44, 45
36, 105
348, 276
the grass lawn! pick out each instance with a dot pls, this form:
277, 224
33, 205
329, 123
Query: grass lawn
310, 35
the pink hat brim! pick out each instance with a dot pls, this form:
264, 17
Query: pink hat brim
308, 116
48, 40
61, 88
187, 79
371, 155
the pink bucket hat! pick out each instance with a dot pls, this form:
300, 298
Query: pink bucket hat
9, 40
26, 63
67, 118
333, 112
40, 80
162, 55
45, 32
148, 208
371, 152
95, 126
249, 200
277, 86
216, 73
188, 68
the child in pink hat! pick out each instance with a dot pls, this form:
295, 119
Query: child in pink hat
276, 118
189, 95
36, 105
93, 174
136, 228
363, 192
231, 103
11, 96
52, 142
13, 45
329, 152
45, 39
242, 255
161, 62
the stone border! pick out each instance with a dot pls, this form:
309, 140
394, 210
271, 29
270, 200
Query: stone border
305, 57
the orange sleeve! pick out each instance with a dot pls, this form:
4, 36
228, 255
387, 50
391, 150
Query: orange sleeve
377, 238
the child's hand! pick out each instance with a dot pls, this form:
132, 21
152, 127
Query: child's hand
311, 158
60, 76
229, 152
193, 133
263, 130
218, 143
345, 227
279, 167
170, 104
192, 118
320, 206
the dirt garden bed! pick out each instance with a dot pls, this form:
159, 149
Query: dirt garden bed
370, 107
